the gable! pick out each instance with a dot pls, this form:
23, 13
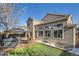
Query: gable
69, 20
54, 17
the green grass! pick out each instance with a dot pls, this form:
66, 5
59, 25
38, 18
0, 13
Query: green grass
39, 50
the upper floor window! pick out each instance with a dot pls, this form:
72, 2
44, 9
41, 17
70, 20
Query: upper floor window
58, 25
40, 27
48, 27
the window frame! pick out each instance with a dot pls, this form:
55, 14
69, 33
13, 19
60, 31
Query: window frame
42, 34
47, 27
50, 33
57, 33
55, 25
40, 27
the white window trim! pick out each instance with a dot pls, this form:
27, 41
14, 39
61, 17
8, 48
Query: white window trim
49, 27
42, 35
62, 34
50, 33
40, 27
58, 23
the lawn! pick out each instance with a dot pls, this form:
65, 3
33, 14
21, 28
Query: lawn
38, 50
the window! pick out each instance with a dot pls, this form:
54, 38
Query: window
40, 27
55, 33
27, 35
31, 34
58, 33
78, 29
47, 27
58, 25
40, 33
35, 34
48, 33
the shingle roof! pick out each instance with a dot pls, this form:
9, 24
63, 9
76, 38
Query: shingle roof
17, 30
59, 19
71, 25
64, 15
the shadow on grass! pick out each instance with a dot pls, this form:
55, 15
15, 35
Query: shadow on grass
65, 53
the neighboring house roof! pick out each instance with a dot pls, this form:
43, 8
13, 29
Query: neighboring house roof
16, 30
23, 27
77, 26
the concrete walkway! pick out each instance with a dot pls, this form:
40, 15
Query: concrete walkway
49, 44
74, 51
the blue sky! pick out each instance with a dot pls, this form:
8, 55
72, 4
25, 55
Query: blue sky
38, 11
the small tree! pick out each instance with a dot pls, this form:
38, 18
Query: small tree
9, 15
6, 20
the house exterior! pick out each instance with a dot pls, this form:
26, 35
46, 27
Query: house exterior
55, 29
20, 34
77, 35
16, 31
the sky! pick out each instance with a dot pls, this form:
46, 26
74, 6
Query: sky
39, 10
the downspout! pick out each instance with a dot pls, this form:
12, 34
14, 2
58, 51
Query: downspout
74, 38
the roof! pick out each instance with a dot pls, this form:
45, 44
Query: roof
56, 19
23, 27
63, 15
77, 26
33, 19
71, 25
17, 30
48, 22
